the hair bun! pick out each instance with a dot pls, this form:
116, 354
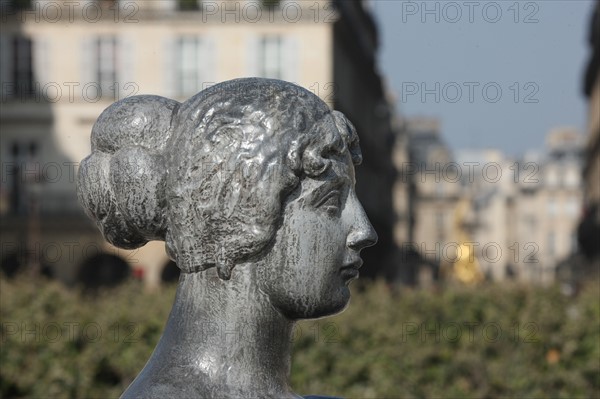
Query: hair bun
134, 121
121, 184
137, 178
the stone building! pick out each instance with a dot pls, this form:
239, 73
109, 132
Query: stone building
517, 217
546, 206
589, 229
524, 212
427, 194
487, 185
64, 62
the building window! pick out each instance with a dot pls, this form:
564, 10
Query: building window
22, 66
551, 244
14, 180
531, 223
189, 5
21, 177
574, 244
440, 226
109, 4
106, 61
271, 3
16, 5
552, 178
572, 207
571, 177
439, 189
192, 56
439, 220
270, 57
273, 56
16, 67
552, 206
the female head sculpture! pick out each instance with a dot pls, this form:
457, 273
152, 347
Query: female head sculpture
251, 185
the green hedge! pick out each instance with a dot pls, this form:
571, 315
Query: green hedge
489, 341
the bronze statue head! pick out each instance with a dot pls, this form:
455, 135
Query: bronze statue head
251, 178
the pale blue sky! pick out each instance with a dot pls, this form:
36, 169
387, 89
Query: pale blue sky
542, 46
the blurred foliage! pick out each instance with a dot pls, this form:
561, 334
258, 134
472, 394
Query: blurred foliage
458, 342
57, 342
488, 341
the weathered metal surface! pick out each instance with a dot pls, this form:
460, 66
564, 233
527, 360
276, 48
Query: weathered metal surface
251, 185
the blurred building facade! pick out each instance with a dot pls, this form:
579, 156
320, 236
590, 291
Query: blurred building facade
487, 188
589, 229
546, 206
425, 200
64, 63
517, 218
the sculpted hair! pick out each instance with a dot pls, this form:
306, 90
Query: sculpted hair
209, 176
121, 184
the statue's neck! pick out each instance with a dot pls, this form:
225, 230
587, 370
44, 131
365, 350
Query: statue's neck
225, 337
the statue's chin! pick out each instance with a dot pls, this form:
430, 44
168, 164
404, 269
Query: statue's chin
307, 308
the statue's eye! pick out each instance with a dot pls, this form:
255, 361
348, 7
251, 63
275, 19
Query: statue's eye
330, 202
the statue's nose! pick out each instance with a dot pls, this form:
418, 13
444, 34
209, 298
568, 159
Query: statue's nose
363, 234
364, 238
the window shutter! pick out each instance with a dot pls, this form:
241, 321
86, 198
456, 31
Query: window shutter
42, 71
208, 62
5, 65
126, 66
88, 64
290, 60
169, 66
252, 56
201, 63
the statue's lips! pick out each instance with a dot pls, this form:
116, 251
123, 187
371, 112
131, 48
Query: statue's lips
350, 270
